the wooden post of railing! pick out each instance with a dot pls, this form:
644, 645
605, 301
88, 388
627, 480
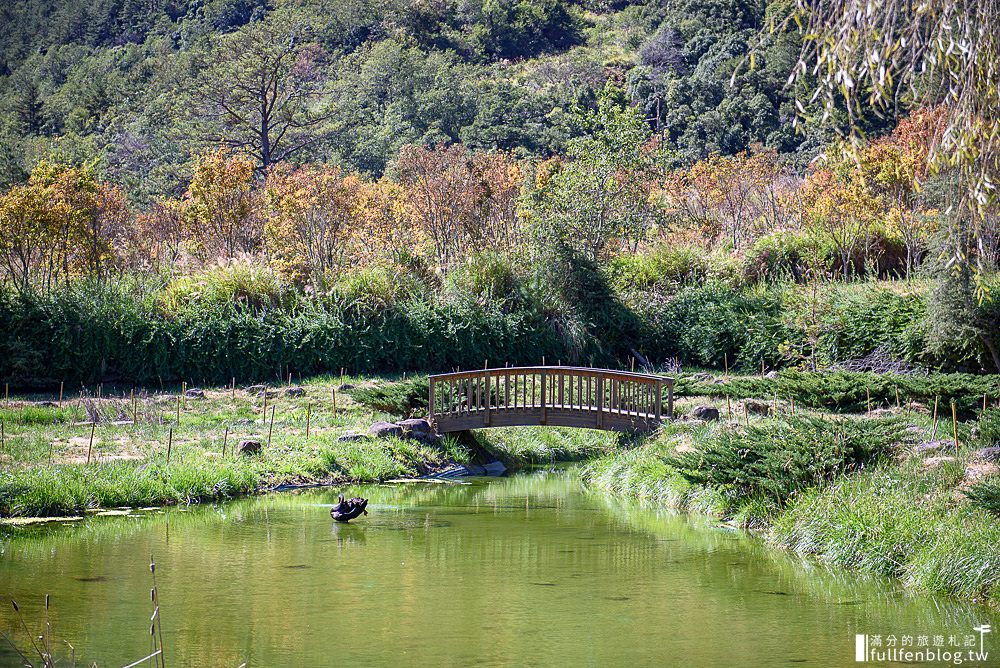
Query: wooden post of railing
544, 409
670, 399
430, 403
659, 399
600, 401
489, 414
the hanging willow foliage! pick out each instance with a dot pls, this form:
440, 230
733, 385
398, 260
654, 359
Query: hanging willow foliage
891, 54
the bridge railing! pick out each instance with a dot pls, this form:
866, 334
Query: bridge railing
549, 395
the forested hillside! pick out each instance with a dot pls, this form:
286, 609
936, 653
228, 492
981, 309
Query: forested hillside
141, 87
229, 187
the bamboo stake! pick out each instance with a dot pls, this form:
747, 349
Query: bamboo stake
234, 388
225, 439
264, 412
270, 429
308, 412
954, 423
170, 444
762, 366
289, 379
3, 438
746, 413
60, 393
50, 453
178, 411
184, 389
935, 418
729, 407
333, 395
868, 393
792, 397
6, 395
897, 396
90, 445
725, 361
135, 407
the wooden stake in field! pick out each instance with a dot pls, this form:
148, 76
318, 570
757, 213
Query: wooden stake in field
309, 405
50, 453
984, 401
184, 389
3, 438
729, 407
333, 396
170, 444
135, 412
178, 411
60, 393
90, 445
6, 395
792, 399
934, 419
270, 429
234, 388
264, 412
225, 439
746, 413
762, 366
289, 379
954, 423
725, 362
868, 393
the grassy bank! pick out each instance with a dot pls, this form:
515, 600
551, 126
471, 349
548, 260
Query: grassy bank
877, 494
165, 448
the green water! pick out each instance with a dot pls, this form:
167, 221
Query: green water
528, 570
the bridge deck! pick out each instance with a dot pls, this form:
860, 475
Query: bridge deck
553, 396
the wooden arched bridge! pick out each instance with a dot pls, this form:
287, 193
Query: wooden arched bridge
549, 395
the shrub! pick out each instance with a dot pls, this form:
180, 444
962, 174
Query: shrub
235, 286
403, 398
664, 267
777, 460
779, 256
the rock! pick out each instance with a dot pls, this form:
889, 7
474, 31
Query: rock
351, 438
495, 468
990, 454
771, 374
46, 404
934, 446
416, 426
254, 389
385, 430
270, 394
757, 407
248, 448
702, 377
705, 413
346, 386
195, 393
244, 422
295, 392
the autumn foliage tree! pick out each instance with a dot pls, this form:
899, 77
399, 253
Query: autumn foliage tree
220, 205
461, 199
314, 218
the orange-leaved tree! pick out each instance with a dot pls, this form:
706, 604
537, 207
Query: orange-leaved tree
220, 206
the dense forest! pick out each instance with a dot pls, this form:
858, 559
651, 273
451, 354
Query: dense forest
356, 183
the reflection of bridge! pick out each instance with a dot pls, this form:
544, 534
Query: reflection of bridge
549, 395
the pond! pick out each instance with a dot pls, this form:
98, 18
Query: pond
526, 570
